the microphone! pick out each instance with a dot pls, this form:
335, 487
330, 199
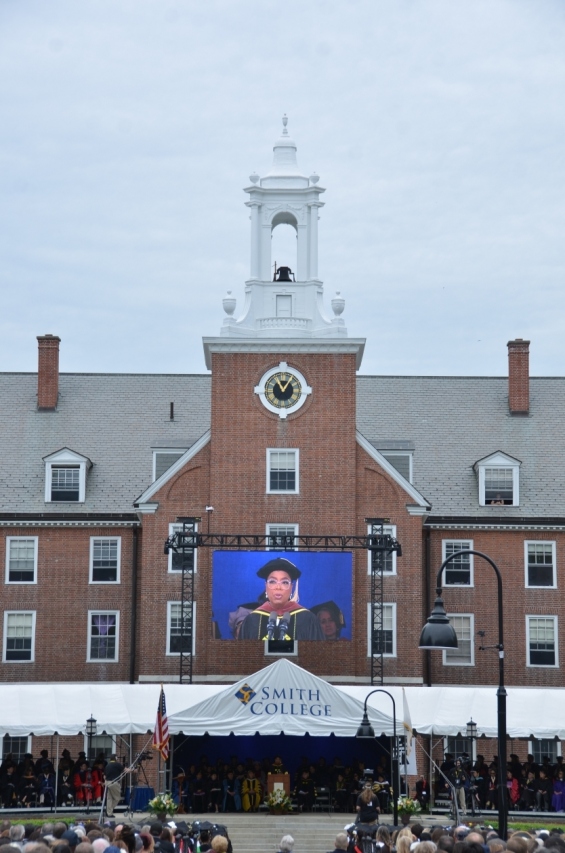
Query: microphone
271, 625
283, 627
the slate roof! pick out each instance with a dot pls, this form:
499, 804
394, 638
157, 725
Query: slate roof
455, 421
116, 420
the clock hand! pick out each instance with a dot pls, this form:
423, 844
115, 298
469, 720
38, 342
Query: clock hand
279, 384
287, 384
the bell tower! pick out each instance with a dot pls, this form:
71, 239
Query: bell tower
284, 303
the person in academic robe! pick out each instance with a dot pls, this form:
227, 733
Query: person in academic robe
305, 793
250, 793
281, 617
331, 619
82, 781
9, 786
558, 796
423, 792
232, 795
46, 784
66, 790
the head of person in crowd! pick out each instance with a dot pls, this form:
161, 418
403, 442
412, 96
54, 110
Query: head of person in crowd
426, 847
341, 841
100, 844
287, 844
496, 845
219, 844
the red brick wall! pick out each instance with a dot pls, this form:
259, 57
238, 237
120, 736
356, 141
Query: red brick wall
48, 372
506, 549
62, 598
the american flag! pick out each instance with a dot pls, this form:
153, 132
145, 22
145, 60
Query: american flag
161, 733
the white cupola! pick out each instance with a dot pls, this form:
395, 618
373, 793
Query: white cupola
283, 302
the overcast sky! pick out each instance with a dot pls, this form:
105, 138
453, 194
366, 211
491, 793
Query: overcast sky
129, 128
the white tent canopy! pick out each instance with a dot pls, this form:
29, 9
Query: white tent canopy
282, 697
531, 712
47, 709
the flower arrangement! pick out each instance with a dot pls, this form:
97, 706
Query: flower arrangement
162, 804
408, 806
277, 799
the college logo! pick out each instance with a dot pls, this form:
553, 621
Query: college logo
245, 694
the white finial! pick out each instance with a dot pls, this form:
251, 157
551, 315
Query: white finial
338, 304
314, 178
229, 304
254, 178
285, 122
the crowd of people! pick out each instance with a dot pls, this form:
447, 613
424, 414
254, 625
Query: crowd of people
529, 786
29, 783
242, 786
92, 837
457, 839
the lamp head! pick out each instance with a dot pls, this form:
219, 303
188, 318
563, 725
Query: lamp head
365, 730
471, 732
438, 633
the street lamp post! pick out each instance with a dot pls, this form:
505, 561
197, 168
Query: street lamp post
366, 730
438, 633
90, 733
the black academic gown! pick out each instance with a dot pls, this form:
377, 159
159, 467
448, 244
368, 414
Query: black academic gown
302, 625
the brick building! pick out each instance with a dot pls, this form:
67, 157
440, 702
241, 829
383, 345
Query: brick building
281, 436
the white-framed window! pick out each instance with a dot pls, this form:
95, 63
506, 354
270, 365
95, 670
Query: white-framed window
382, 636
16, 746
282, 471
105, 559
281, 535
543, 747
65, 477
19, 636
21, 559
189, 556
103, 636
458, 745
389, 560
539, 560
541, 633
464, 627
459, 572
163, 458
99, 744
499, 480
179, 637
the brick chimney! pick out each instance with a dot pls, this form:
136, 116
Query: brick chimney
48, 373
519, 377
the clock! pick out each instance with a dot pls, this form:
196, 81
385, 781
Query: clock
283, 390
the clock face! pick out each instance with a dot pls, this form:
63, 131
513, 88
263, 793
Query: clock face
283, 390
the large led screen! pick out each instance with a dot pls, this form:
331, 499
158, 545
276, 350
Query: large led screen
289, 595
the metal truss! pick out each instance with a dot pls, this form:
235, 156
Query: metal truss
188, 539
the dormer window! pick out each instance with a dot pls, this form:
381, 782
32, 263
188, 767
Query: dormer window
498, 480
65, 476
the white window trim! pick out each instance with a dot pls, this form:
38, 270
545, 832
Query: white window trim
445, 660
35, 540
168, 653
392, 605
499, 460
296, 451
472, 754
26, 737
172, 451
389, 529
8, 613
471, 565
274, 525
101, 734
553, 557
173, 528
555, 634
291, 654
99, 612
91, 560
66, 458
559, 750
